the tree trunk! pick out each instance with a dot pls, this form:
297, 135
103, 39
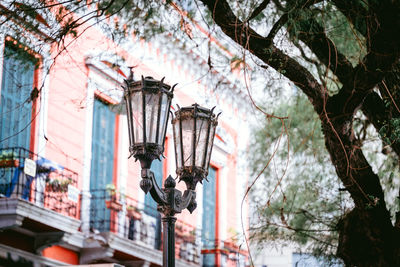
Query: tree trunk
367, 239
367, 236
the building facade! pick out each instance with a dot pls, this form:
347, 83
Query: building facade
68, 192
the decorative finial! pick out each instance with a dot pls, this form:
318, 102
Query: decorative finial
161, 83
131, 74
146, 185
170, 182
173, 87
192, 205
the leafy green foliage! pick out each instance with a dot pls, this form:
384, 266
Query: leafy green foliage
346, 38
393, 128
301, 202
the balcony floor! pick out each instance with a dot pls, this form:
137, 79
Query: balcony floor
125, 246
15, 212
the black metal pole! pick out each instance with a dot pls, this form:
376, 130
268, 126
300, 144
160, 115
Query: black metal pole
168, 241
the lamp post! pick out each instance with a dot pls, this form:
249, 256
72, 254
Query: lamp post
148, 103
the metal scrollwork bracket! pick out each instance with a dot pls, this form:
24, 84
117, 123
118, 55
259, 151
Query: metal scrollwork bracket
170, 200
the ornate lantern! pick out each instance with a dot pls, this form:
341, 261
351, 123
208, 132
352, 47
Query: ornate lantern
148, 103
194, 130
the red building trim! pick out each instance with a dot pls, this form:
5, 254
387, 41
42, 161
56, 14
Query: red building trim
105, 98
61, 254
217, 207
165, 162
116, 152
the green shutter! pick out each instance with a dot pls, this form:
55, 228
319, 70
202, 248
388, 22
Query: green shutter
102, 165
15, 105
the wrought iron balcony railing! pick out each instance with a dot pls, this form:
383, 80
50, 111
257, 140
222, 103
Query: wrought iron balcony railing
25, 175
113, 212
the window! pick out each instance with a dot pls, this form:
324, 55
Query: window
208, 220
16, 104
104, 84
103, 134
102, 165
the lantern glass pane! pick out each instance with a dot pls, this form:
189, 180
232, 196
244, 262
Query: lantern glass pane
201, 140
152, 101
129, 120
177, 142
163, 118
210, 144
187, 141
137, 116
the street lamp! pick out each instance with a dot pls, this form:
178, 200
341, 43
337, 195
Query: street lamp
148, 103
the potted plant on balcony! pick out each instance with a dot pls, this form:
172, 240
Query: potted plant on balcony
112, 203
58, 185
231, 243
8, 159
133, 212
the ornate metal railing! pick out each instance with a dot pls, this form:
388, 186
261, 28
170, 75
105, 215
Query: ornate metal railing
188, 241
27, 176
232, 253
112, 212
123, 215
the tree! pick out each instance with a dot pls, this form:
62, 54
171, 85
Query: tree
348, 75
367, 236
297, 199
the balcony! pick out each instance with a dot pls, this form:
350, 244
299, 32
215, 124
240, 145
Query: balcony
38, 198
41, 206
123, 230
234, 255
229, 252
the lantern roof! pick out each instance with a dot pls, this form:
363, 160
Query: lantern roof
195, 110
149, 84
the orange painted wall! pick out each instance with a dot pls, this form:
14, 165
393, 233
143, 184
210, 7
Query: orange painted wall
67, 99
